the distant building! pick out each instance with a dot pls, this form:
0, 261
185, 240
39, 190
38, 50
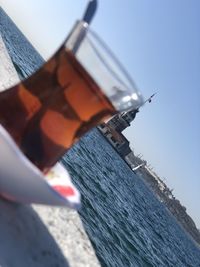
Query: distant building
121, 121
116, 139
112, 131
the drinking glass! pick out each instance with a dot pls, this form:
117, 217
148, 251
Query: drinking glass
81, 86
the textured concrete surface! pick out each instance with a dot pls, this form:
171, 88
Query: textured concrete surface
41, 236
25, 240
66, 228
8, 75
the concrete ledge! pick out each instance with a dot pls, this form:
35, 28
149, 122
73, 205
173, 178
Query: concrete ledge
43, 236
67, 230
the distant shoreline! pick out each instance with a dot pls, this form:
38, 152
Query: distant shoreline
164, 195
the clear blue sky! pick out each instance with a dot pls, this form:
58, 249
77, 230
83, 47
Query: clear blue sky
159, 43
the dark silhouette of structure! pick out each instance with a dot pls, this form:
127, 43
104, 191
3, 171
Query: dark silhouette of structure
112, 130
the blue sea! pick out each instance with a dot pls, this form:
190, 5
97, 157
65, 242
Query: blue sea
126, 223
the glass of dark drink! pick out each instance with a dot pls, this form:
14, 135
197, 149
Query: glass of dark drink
82, 85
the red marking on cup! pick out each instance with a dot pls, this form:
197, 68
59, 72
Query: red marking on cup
65, 191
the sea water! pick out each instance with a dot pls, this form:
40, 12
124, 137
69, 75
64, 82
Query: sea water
126, 223
128, 226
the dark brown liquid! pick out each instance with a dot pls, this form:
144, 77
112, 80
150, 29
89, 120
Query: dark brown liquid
52, 109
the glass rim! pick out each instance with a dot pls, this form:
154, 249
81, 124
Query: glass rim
123, 77
114, 58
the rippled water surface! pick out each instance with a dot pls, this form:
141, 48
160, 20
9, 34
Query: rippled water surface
127, 225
